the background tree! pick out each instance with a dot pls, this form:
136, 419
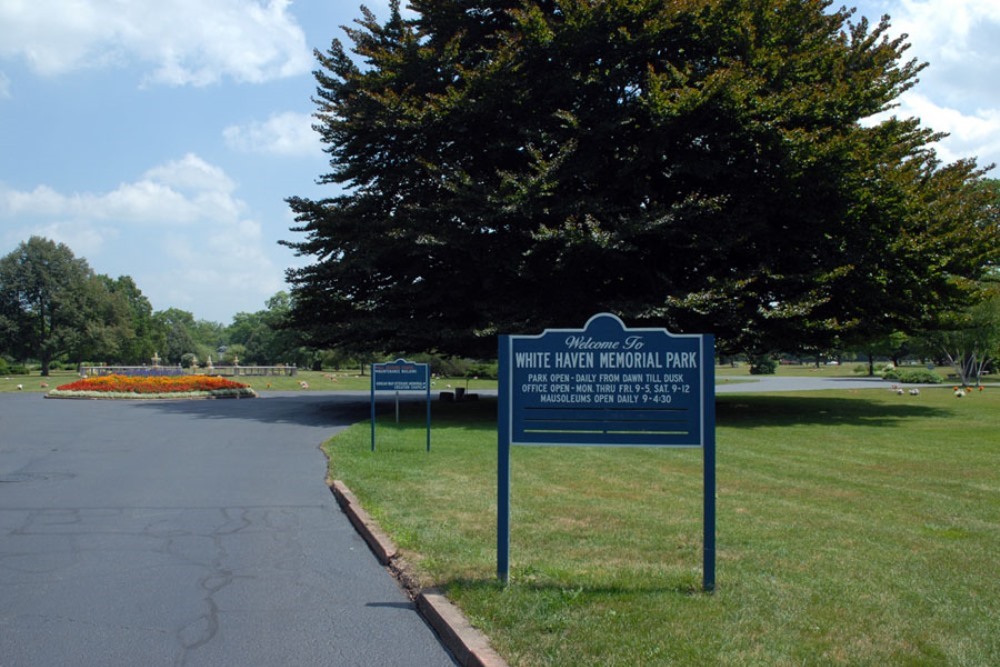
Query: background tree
510, 165
208, 338
234, 354
182, 334
141, 339
895, 346
54, 307
970, 339
177, 326
53, 304
249, 332
263, 335
106, 330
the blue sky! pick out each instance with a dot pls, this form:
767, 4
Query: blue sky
159, 139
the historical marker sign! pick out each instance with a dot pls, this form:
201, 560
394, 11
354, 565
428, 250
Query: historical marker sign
401, 375
609, 385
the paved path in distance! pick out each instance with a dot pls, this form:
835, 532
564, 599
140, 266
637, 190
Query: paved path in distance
188, 533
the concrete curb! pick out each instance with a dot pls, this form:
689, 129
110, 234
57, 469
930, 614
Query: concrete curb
380, 544
470, 647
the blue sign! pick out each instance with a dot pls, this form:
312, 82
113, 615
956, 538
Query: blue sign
401, 375
607, 385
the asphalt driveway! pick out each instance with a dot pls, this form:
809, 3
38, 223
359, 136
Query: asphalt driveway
188, 533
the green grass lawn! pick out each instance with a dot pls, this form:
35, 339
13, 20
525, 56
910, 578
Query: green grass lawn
854, 528
845, 370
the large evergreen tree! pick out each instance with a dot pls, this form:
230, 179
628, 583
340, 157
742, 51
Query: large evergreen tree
511, 165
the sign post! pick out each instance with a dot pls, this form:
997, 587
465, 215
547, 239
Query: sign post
606, 385
401, 375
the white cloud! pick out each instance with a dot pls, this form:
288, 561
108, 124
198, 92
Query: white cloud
959, 40
181, 42
191, 173
83, 238
288, 134
970, 135
223, 263
179, 192
956, 93
179, 230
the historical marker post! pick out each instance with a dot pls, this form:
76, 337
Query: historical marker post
607, 385
401, 375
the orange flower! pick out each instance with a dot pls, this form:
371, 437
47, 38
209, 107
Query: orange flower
152, 385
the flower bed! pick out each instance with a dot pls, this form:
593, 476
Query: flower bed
123, 386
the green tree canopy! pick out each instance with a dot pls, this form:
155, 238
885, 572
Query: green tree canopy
180, 334
969, 338
53, 305
178, 327
136, 338
510, 165
262, 334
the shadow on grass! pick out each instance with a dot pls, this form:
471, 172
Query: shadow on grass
741, 410
478, 415
749, 411
737, 410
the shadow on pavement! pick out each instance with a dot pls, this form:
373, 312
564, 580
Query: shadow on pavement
306, 409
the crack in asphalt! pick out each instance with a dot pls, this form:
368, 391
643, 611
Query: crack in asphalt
156, 541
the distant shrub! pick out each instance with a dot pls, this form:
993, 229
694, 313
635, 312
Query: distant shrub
763, 364
443, 366
4, 367
455, 367
912, 376
483, 370
18, 369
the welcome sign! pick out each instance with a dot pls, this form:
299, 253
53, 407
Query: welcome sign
606, 385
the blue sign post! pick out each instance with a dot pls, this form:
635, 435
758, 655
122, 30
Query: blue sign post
607, 385
401, 375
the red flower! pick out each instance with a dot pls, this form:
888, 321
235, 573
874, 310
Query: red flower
152, 385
